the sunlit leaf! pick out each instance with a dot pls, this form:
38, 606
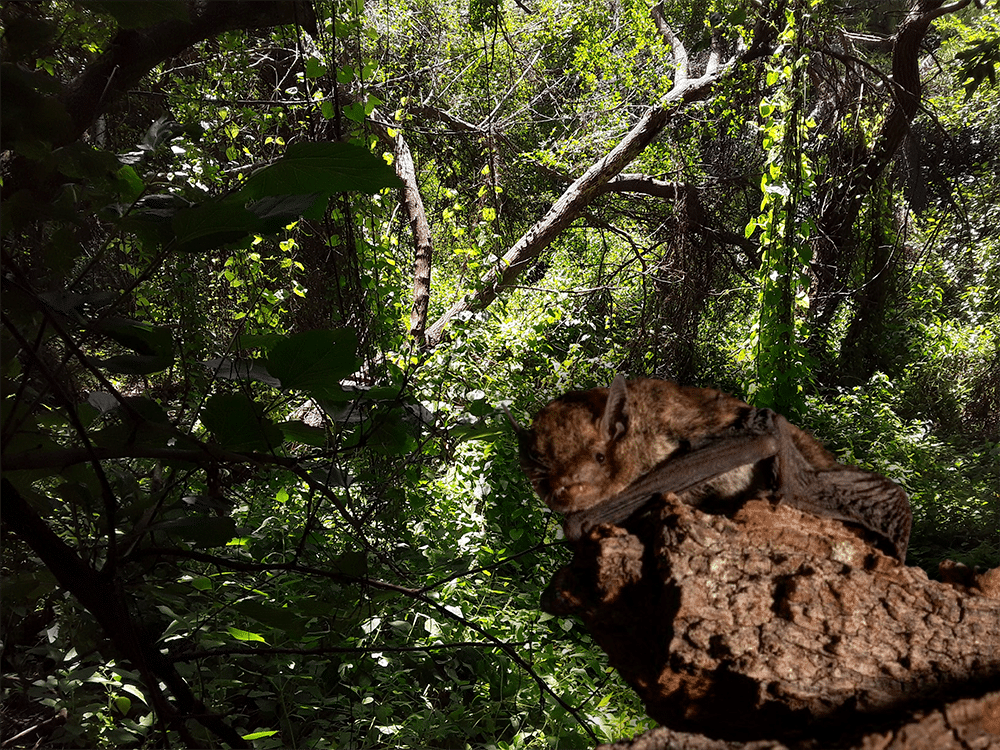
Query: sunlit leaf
245, 635
260, 735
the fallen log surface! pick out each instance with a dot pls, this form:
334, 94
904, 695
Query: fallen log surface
967, 724
778, 626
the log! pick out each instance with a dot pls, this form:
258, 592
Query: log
776, 625
967, 724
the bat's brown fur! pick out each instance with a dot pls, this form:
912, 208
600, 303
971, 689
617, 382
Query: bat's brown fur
588, 447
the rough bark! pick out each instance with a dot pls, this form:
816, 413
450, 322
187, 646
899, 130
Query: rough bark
777, 625
966, 724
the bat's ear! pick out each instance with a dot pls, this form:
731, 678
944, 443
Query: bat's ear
614, 421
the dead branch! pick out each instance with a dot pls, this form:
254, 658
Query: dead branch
590, 184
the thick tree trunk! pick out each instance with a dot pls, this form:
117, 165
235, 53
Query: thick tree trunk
779, 625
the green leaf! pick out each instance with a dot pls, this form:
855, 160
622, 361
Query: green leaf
260, 735
353, 563
391, 435
245, 635
212, 225
134, 364
82, 162
277, 211
979, 62
314, 68
315, 361
142, 423
153, 346
355, 112
132, 184
321, 168
485, 432
284, 619
238, 423
147, 409
241, 369
480, 407
142, 338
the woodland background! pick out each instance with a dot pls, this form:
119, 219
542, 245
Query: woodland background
271, 269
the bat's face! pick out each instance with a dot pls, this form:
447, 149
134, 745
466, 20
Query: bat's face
568, 460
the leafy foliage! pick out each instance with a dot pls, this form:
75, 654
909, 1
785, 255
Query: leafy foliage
241, 507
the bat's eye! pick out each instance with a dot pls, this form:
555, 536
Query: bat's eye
599, 457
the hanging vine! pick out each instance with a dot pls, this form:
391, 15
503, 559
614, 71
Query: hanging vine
777, 338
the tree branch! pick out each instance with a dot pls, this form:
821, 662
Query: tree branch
134, 52
590, 184
837, 220
413, 205
677, 48
103, 596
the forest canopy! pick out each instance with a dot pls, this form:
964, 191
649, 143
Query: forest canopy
272, 271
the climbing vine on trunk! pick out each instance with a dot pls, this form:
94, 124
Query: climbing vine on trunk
784, 224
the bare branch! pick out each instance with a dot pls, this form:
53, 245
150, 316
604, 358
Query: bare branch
591, 184
423, 246
513, 87
642, 183
677, 48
